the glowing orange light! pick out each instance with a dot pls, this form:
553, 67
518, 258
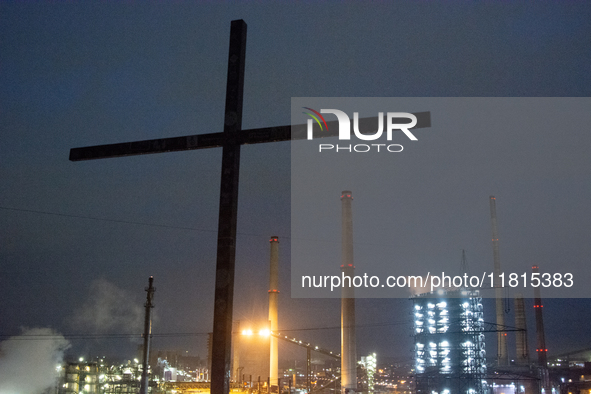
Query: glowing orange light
265, 332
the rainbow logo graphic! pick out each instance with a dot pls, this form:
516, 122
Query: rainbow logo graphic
316, 115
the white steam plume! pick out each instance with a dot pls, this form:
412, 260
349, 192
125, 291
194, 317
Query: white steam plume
109, 309
28, 362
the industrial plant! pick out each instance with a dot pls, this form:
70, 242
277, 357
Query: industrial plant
449, 332
450, 349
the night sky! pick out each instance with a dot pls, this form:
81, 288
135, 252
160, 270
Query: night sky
79, 240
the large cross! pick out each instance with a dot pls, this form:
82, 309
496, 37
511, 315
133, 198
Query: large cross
230, 140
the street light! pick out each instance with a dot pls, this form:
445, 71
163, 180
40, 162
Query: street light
265, 332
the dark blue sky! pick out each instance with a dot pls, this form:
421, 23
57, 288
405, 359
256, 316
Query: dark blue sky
95, 72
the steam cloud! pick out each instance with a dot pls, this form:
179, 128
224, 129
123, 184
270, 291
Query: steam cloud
109, 309
28, 361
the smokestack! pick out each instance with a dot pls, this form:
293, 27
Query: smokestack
522, 349
540, 336
502, 356
348, 340
147, 335
273, 309
236, 355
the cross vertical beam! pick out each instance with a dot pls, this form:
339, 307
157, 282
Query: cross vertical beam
226, 249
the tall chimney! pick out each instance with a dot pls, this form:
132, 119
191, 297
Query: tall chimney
273, 309
147, 336
502, 355
540, 336
348, 339
522, 350
236, 354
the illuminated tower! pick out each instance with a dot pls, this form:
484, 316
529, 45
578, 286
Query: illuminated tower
450, 355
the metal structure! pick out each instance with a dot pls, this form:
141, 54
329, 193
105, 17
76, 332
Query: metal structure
348, 337
450, 356
502, 355
92, 377
230, 140
147, 335
307, 345
309, 348
369, 363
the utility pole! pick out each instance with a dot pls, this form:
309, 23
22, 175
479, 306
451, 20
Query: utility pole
147, 335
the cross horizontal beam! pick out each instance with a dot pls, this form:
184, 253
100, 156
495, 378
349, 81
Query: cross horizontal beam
216, 140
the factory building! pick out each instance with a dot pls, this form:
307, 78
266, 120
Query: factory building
80, 377
449, 351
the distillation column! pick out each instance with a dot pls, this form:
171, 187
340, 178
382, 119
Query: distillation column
348, 341
502, 355
273, 310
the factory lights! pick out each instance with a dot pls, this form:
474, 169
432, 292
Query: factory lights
449, 343
370, 363
263, 332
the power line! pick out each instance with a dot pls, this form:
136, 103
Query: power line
357, 326
168, 335
158, 225
95, 336
167, 226
115, 220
